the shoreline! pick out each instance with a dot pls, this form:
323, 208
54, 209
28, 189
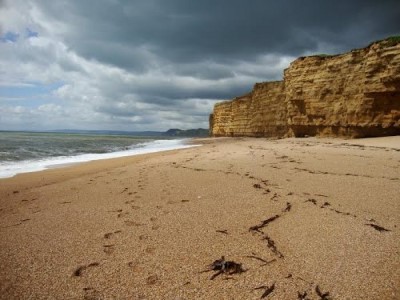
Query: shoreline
300, 215
14, 168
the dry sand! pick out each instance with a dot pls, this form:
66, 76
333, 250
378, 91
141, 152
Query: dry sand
302, 216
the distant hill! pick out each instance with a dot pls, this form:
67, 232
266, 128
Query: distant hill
200, 132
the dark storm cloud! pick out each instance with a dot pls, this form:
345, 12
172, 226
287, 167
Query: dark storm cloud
176, 92
184, 31
207, 39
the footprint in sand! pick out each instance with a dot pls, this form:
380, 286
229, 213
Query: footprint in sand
143, 237
110, 234
79, 271
91, 294
108, 249
150, 250
155, 227
133, 223
135, 267
151, 280
123, 214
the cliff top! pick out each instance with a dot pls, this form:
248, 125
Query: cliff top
387, 42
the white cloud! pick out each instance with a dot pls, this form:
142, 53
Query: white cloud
109, 70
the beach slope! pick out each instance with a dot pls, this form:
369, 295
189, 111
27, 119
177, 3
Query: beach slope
306, 219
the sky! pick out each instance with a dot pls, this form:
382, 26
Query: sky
158, 64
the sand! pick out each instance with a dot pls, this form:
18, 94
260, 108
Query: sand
303, 217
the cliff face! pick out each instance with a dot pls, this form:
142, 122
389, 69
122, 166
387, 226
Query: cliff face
356, 94
259, 113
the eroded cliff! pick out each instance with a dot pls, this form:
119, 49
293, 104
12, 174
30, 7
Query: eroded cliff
258, 113
356, 94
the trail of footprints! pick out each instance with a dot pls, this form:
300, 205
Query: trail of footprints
125, 215
258, 230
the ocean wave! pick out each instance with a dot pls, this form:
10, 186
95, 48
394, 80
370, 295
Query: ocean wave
10, 169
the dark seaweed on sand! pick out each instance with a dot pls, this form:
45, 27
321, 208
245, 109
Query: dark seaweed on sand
222, 266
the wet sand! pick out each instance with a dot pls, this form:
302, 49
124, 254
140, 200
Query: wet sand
306, 219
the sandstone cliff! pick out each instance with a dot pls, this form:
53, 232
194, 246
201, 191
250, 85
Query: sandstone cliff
356, 94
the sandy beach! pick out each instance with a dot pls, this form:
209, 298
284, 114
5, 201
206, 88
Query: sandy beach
294, 219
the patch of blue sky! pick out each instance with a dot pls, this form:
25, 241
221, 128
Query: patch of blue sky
12, 37
9, 37
30, 33
31, 103
29, 95
29, 89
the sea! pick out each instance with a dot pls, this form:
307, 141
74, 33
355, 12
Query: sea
23, 152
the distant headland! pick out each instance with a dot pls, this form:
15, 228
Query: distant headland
198, 132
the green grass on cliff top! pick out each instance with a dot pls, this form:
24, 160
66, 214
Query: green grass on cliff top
393, 40
388, 42
324, 55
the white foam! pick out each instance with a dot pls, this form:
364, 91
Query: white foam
10, 169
